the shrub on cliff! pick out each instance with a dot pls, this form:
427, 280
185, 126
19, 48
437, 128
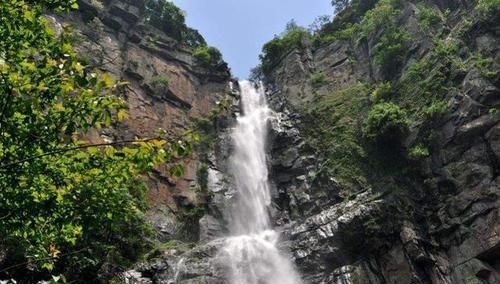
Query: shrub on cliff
386, 123
273, 51
332, 129
383, 91
160, 82
208, 56
418, 152
194, 39
358, 6
318, 79
169, 18
488, 6
67, 206
428, 16
390, 50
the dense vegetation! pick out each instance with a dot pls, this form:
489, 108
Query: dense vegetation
355, 20
273, 51
362, 128
172, 21
67, 206
169, 18
208, 56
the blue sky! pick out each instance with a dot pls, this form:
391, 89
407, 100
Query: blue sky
239, 28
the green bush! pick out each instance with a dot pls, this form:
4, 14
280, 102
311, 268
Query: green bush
274, 50
386, 122
428, 17
382, 91
194, 39
382, 15
318, 79
67, 206
418, 152
488, 6
334, 122
169, 18
346, 23
435, 110
390, 50
425, 83
208, 56
485, 65
159, 82
346, 33
348, 12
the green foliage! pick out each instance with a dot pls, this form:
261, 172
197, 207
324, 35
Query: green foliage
273, 51
346, 25
386, 122
349, 9
208, 56
194, 39
222, 107
418, 152
423, 79
159, 82
485, 65
318, 24
169, 18
66, 206
435, 110
390, 49
445, 48
336, 119
382, 91
348, 32
428, 17
381, 16
488, 6
424, 84
318, 79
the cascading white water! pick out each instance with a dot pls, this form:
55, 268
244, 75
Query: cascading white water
248, 163
251, 252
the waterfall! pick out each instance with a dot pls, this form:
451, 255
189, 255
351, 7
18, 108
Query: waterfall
251, 252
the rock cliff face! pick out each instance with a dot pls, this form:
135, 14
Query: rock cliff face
349, 213
166, 89
435, 220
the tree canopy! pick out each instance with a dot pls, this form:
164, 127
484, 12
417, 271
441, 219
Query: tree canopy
66, 206
171, 20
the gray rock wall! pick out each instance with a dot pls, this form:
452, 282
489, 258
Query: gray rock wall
441, 225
